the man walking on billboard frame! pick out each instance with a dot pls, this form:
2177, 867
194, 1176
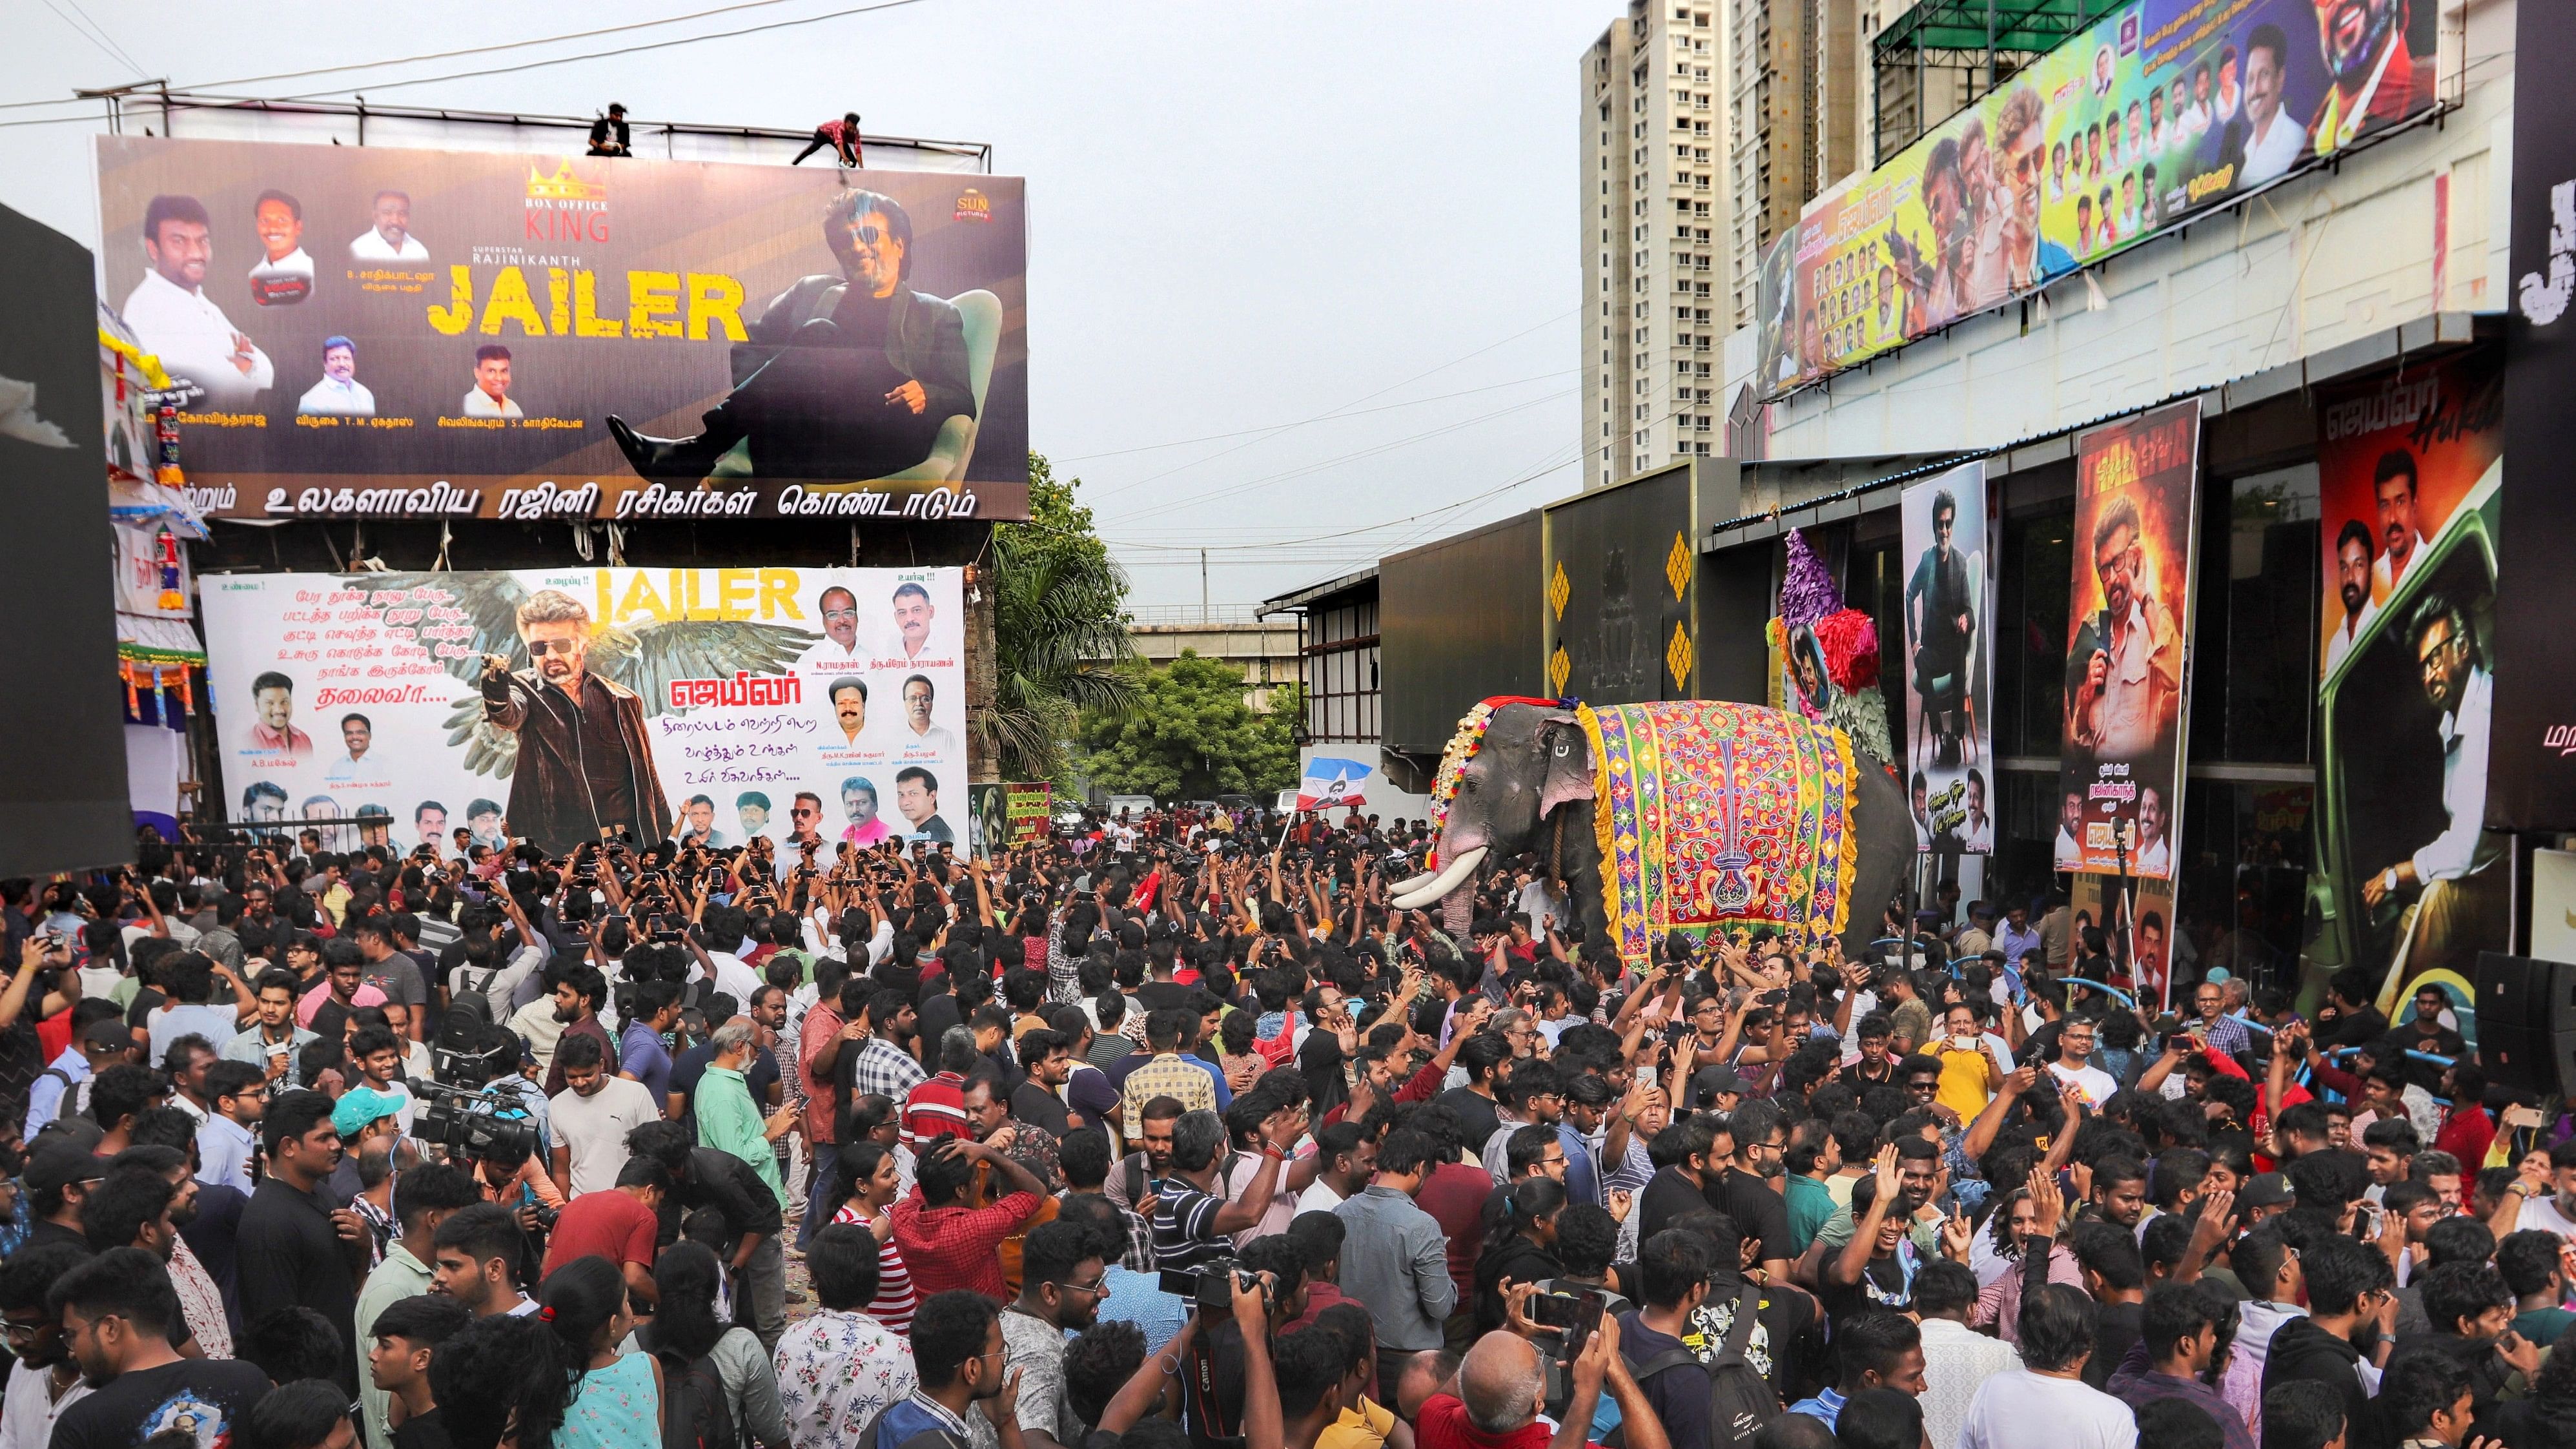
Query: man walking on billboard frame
845, 378
584, 767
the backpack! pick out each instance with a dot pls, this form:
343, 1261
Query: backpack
1740, 1400
695, 1412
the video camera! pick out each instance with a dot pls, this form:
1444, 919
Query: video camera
475, 1124
1211, 1284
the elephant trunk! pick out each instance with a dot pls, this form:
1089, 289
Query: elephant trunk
1452, 874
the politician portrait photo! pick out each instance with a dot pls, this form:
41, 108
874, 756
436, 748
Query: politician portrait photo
174, 318
584, 764
339, 394
283, 275
849, 375
389, 239
490, 395
272, 731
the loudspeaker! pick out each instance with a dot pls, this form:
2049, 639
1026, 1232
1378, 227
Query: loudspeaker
2527, 1023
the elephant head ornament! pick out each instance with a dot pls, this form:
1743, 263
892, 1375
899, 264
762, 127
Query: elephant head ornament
1700, 812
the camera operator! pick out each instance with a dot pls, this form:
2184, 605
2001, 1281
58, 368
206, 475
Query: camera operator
1249, 1316
1212, 1372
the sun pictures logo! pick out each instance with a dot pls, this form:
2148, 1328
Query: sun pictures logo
564, 208
973, 205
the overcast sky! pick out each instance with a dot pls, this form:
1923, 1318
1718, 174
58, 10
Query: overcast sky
1357, 219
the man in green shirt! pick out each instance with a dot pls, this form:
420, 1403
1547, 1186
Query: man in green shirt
1813, 1156
727, 1120
2531, 1267
424, 1197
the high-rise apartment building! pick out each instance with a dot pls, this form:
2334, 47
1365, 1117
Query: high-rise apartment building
1657, 295
1801, 116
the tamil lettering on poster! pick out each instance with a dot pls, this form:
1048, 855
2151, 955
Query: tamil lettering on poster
821, 707
389, 332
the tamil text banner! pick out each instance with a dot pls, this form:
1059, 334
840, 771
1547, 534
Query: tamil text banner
2128, 632
406, 333
704, 705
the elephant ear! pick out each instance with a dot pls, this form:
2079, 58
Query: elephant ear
1567, 768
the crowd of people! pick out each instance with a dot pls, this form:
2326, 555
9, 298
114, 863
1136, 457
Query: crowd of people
1174, 1135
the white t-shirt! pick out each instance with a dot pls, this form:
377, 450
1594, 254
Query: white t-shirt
1318, 1197
2093, 1083
2018, 1409
2542, 1213
593, 1129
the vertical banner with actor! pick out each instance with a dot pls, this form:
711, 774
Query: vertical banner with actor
2407, 471
2137, 492
1949, 663
2533, 783
554, 705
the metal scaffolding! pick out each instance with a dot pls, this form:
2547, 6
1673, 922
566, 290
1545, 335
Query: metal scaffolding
1936, 59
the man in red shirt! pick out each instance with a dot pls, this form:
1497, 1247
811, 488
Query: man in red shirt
937, 1108
1502, 1381
617, 1224
1454, 1193
947, 1245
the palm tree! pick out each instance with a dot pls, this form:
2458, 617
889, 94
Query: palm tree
1060, 635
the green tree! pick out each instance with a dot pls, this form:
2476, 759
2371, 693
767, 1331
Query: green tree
1190, 736
1059, 631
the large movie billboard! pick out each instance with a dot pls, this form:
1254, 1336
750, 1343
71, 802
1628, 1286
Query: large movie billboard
2162, 110
1949, 663
710, 705
2407, 469
2120, 756
404, 333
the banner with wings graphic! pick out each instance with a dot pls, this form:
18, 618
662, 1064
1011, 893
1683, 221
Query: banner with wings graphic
710, 705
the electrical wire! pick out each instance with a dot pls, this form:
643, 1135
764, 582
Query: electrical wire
1233, 490
109, 36
249, 80
1332, 412
84, 33
1336, 417
607, 54
1304, 550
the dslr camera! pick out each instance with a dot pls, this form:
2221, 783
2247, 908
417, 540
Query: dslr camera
1211, 1284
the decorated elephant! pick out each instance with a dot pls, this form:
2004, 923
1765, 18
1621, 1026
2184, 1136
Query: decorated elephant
1689, 814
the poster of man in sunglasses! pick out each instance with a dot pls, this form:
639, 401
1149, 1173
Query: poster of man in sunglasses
585, 766
851, 376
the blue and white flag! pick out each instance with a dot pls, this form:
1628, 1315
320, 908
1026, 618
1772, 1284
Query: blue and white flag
1330, 782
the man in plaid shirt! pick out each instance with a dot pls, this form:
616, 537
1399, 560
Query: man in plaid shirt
881, 1068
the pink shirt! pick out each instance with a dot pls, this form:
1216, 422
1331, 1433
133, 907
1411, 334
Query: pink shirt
313, 999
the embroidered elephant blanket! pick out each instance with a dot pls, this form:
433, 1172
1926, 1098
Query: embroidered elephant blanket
1713, 814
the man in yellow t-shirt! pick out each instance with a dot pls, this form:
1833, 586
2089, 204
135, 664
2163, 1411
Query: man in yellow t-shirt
1970, 1075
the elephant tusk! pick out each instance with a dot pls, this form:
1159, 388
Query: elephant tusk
1415, 884
1442, 884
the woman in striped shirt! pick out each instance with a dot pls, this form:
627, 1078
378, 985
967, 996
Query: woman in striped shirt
867, 1187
